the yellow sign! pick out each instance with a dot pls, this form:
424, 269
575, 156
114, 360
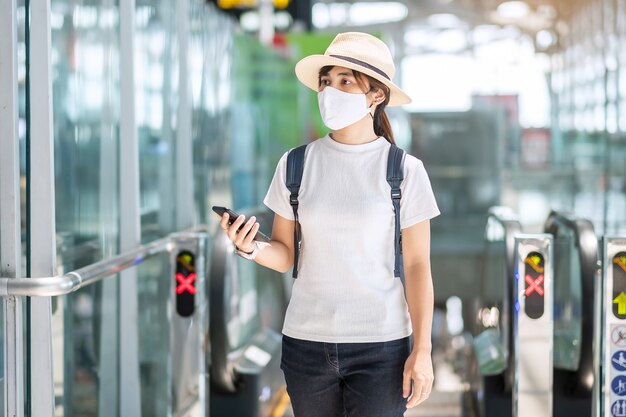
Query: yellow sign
620, 300
621, 261
534, 262
231, 4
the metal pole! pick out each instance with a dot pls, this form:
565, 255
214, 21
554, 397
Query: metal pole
266, 21
10, 245
130, 221
184, 145
42, 207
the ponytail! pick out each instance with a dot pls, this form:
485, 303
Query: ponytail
382, 126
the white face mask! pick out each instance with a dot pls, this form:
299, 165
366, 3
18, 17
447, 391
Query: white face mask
340, 109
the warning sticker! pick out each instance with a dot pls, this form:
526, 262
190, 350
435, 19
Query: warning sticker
618, 409
618, 385
618, 335
618, 360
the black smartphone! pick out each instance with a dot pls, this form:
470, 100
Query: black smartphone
233, 216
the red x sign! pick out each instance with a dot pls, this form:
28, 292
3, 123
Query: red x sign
534, 285
185, 283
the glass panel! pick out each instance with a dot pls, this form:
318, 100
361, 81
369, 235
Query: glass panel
491, 333
85, 95
86, 344
567, 302
156, 85
85, 330
211, 78
154, 310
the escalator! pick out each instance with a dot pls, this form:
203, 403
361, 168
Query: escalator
247, 306
575, 276
493, 330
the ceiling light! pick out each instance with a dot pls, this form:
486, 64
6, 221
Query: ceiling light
250, 21
444, 21
367, 13
513, 9
320, 15
545, 39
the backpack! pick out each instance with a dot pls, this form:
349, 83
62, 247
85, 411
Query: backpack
395, 175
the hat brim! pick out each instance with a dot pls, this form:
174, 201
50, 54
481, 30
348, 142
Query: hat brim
308, 68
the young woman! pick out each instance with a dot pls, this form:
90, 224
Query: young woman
347, 347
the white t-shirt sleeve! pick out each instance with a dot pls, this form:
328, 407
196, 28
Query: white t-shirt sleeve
418, 201
277, 197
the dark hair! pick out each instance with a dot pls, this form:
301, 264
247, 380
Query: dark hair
382, 126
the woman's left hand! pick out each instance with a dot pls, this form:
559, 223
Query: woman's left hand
419, 369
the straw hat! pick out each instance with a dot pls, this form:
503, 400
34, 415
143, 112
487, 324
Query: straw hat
358, 51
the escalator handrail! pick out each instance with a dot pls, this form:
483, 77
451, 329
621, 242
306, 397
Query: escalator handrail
587, 243
223, 373
511, 225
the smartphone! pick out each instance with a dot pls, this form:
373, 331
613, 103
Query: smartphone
233, 216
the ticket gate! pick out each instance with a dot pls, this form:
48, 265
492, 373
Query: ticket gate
613, 335
533, 326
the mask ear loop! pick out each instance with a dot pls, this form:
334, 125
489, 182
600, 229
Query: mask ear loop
370, 106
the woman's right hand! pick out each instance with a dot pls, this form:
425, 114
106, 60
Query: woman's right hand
243, 239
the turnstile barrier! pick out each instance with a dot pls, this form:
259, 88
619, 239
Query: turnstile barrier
614, 326
533, 326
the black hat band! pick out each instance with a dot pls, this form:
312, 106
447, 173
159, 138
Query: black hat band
363, 64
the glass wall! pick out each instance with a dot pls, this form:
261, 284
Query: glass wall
86, 116
86, 101
156, 86
589, 92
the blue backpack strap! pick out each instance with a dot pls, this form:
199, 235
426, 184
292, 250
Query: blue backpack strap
295, 166
395, 175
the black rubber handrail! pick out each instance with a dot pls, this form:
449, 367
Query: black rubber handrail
587, 243
223, 374
511, 225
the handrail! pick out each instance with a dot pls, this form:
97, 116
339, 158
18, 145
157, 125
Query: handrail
72, 281
511, 225
587, 243
223, 374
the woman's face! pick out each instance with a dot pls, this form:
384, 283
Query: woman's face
342, 79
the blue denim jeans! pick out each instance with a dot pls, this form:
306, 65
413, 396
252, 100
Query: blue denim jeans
345, 379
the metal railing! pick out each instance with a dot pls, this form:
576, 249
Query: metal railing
82, 277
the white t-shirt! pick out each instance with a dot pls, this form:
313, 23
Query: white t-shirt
346, 290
